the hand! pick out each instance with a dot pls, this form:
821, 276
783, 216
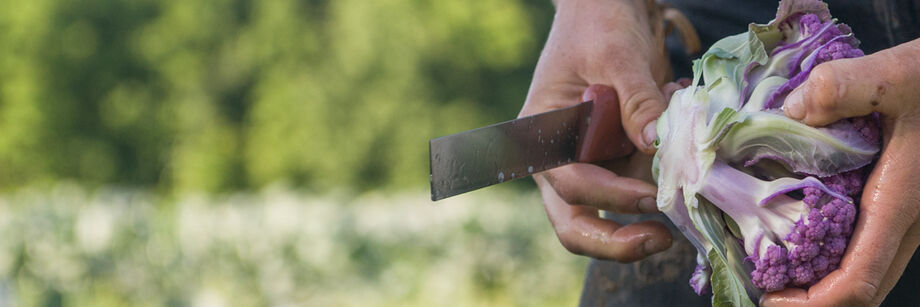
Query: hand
887, 230
603, 42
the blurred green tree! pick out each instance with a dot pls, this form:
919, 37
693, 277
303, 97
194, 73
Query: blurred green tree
235, 94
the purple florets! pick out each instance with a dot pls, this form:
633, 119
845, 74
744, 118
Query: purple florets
833, 42
818, 42
867, 127
770, 272
838, 50
810, 23
849, 183
817, 242
699, 281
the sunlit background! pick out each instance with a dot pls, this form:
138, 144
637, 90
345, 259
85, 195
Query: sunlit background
253, 153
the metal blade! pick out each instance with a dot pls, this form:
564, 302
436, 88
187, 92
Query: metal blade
506, 151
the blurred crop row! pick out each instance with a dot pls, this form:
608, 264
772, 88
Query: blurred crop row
75, 247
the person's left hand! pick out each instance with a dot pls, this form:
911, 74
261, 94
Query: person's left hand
611, 44
887, 230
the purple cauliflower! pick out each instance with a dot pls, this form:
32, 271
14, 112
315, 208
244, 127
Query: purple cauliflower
768, 202
817, 242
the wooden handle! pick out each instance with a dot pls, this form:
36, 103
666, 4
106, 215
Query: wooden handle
604, 138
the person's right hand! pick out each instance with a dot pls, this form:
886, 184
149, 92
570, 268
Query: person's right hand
606, 42
888, 226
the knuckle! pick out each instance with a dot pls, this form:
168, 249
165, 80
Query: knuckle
568, 193
569, 243
823, 71
824, 90
638, 104
567, 190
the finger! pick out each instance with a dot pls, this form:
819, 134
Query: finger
637, 166
641, 100
901, 258
829, 94
581, 231
848, 88
669, 88
594, 186
641, 103
905, 252
888, 210
787, 297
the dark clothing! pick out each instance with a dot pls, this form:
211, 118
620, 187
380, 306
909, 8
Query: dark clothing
659, 280
877, 24
662, 280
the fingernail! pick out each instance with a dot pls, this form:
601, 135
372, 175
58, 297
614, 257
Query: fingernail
793, 106
589, 94
649, 134
648, 205
654, 245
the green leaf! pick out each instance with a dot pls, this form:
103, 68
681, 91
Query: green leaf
765, 88
726, 289
732, 226
769, 35
730, 56
697, 72
731, 282
801, 148
720, 126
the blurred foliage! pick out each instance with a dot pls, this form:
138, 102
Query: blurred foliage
224, 95
221, 102
68, 246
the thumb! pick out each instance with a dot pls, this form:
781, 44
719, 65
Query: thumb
641, 103
848, 88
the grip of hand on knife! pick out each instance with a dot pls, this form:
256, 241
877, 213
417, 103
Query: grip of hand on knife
604, 137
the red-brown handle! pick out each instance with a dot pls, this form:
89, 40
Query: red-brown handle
604, 138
